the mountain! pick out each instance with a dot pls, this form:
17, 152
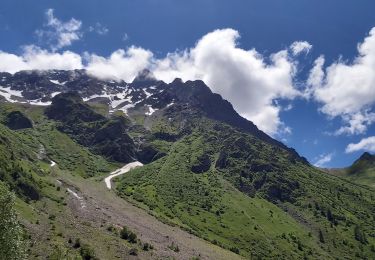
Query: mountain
362, 171
208, 174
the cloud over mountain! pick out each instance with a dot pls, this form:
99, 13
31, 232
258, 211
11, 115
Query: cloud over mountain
367, 144
347, 89
241, 76
35, 58
252, 82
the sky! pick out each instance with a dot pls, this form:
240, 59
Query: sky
303, 71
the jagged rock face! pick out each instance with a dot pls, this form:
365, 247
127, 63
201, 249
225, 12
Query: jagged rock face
69, 107
103, 136
145, 95
16, 120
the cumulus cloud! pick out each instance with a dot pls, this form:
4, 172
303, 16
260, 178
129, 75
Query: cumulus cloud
323, 159
34, 58
300, 46
251, 82
241, 76
347, 89
59, 34
367, 144
121, 65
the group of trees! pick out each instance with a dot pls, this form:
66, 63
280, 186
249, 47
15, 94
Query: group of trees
12, 244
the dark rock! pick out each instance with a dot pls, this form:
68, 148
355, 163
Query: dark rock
147, 154
202, 164
70, 107
17, 120
222, 161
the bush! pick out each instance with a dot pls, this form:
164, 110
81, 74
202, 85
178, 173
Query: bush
359, 235
77, 243
133, 251
321, 237
174, 247
147, 246
87, 253
235, 250
128, 235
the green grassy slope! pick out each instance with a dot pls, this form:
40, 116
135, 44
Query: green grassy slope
362, 171
286, 209
214, 180
51, 225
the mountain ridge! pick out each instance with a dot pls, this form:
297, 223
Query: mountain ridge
194, 93
207, 170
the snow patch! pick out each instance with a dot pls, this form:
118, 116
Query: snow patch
55, 82
8, 93
120, 171
38, 102
81, 200
148, 94
53, 94
150, 110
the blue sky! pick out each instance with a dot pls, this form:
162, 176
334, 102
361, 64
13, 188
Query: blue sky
308, 120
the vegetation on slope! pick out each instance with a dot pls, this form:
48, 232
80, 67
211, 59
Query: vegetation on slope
362, 171
221, 180
286, 208
12, 244
25, 158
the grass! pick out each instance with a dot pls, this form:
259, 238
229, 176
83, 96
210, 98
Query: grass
255, 199
283, 208
210, 207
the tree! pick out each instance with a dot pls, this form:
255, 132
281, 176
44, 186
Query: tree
12, 245
321, 237
359, 235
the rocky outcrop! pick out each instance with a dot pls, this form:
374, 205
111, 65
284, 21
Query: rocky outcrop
202, 164
16, 120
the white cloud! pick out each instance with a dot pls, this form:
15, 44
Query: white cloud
34, 58
59, 34
121, 64
300, 46
241, 76
99, 29
125, 37
347, 89
251, 82
323, 159
367, 144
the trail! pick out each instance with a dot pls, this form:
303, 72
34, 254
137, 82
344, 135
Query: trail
120, 171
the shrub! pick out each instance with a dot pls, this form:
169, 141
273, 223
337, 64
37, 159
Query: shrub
77, 243
87, 253
133, 251
128, 235
174, 247
359, 235
147, 246
321, 237
235, 250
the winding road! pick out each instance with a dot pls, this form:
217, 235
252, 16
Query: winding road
120, 171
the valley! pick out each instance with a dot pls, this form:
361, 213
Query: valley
150, 170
